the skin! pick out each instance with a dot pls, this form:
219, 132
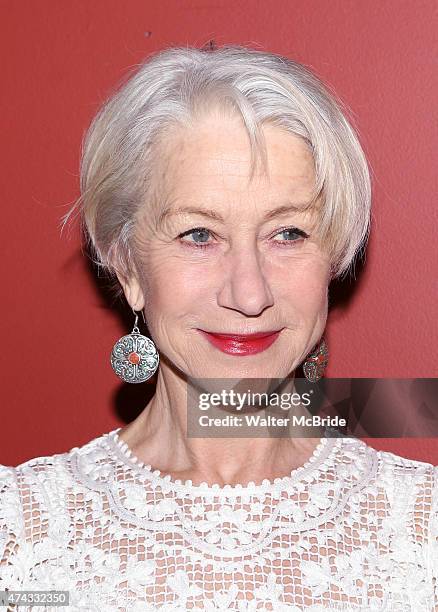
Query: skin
251, 277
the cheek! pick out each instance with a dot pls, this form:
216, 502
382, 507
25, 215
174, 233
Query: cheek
306, 289
172, 287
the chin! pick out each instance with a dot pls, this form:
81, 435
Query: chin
242, 370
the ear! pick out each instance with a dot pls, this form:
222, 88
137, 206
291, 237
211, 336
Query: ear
132, 290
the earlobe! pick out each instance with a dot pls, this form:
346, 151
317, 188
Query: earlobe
132, 290
135, 295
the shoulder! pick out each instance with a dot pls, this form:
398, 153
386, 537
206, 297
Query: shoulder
406, 488
25, 498
412, 482
37, 489
389, 465
46, 468
407, 474
415, 497
403, 466
406, 502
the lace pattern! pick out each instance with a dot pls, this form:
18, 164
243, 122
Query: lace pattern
352, 529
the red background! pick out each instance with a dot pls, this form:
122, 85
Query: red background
61, 59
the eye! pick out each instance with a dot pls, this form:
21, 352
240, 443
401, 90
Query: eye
200, 237
290, 235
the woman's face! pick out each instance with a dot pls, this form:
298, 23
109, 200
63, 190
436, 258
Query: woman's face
228, 255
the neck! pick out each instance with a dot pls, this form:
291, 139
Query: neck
164, 433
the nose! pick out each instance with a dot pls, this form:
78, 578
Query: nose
245, 288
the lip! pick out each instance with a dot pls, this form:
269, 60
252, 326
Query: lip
241, 344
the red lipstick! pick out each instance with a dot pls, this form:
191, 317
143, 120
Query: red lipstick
242, 344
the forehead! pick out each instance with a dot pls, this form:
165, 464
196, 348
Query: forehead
213, 159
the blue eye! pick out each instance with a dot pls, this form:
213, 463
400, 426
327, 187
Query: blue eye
200, 236
292, 234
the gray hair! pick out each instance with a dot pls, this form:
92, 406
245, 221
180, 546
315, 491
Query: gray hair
120, 148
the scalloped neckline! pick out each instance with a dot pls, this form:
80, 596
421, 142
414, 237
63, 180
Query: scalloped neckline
323, 451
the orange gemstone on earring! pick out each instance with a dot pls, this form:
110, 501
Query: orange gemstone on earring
134, 358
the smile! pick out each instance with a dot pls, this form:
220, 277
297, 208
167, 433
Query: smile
237, 344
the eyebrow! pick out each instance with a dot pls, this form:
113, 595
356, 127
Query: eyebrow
214, 215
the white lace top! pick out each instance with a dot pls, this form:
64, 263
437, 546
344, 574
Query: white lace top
353, 529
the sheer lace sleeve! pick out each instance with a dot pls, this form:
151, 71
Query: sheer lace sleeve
11, 525
24, 507
432, 553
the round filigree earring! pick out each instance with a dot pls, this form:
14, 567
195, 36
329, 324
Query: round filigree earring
134, 357
316, 362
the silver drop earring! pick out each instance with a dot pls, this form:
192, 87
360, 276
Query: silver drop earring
134, 357
316, 362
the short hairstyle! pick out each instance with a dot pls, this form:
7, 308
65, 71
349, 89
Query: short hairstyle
168, 89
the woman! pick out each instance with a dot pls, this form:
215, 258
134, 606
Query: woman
223, 190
